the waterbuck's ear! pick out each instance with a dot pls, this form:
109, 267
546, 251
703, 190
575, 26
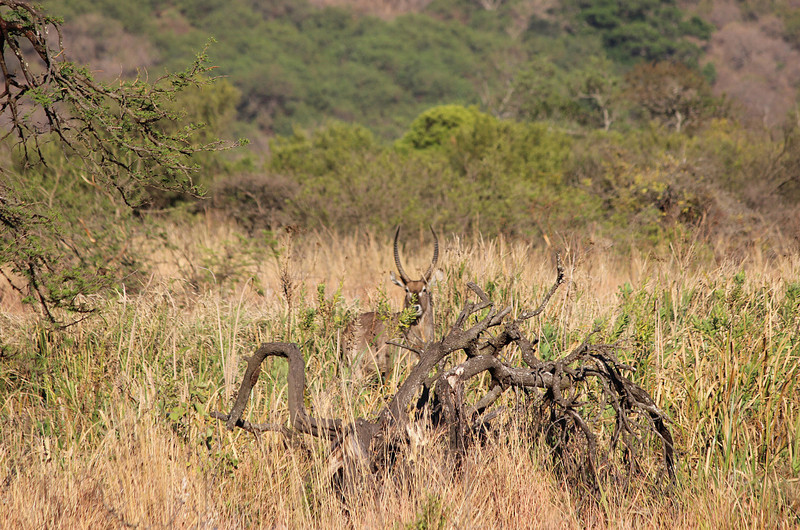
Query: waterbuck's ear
395, 280
437, 276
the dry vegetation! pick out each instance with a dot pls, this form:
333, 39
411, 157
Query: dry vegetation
107, 424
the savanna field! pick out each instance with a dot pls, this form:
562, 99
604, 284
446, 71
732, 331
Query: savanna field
198, 205
106, 423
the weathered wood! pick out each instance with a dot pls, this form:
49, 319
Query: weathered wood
559, 385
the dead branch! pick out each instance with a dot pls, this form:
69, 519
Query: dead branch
298, 415
563, 386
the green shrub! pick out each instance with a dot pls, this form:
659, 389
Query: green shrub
439, 126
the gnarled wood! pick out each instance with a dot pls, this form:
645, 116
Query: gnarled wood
559, 386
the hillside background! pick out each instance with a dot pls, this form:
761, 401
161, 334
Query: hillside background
564, 116
381, 63
600, 125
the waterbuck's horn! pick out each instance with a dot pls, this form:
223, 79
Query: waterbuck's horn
403, 275
435, 256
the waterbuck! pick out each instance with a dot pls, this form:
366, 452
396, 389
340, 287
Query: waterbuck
365, 340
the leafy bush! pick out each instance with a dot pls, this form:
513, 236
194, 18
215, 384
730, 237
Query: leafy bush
457, 168
464, 170
674, 94
255, 202
641, 29
440, 125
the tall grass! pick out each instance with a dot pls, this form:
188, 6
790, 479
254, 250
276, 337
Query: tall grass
105, 424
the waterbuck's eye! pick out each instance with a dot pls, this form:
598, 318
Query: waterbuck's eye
424, 288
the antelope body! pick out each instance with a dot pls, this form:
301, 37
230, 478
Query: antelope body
365, 339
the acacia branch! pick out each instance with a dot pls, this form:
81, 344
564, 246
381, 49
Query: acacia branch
119, 134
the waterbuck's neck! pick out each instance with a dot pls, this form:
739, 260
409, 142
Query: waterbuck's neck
421, 331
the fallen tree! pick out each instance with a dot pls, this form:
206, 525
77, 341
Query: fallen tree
563, 399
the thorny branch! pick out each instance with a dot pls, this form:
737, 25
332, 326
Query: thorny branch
126, 137
563, 387
117, 130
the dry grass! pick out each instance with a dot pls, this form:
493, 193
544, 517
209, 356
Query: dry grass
105, 424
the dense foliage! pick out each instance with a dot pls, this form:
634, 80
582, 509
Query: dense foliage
298, 64
642, 29
455, 116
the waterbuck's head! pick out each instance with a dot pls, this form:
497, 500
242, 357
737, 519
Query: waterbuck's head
418, 292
